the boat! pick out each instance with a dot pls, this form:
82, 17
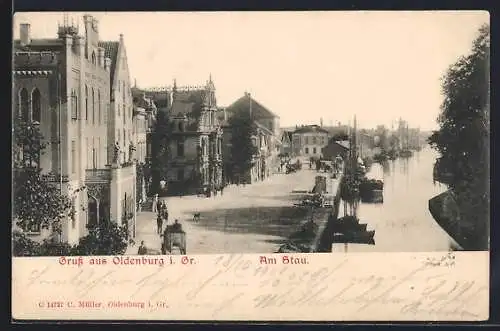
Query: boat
371, 190
345, 227
405, 153
361, 237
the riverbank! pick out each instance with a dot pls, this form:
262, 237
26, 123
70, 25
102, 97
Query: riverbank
445, 212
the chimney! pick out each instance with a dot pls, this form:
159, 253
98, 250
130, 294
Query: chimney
25, 34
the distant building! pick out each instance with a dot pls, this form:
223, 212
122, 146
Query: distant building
335, 148
308, 140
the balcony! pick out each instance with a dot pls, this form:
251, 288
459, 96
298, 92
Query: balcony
98, 175
55, 177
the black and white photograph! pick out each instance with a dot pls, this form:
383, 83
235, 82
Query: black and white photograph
175, 133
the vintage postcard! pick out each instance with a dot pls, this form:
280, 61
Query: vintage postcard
257, 166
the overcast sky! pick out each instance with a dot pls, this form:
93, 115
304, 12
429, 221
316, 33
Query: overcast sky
301, 65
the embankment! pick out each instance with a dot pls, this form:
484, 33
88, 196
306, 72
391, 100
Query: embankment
446, 213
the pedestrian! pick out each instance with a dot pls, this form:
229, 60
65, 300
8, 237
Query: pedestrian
142, 249
222, 190
155, 203
159, 224
139, 207
166, 215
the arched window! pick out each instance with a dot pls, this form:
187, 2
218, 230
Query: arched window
36, 105
93, 58
86, 103
99, 106
24, 104
93, 106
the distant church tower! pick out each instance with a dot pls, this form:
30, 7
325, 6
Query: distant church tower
321, 122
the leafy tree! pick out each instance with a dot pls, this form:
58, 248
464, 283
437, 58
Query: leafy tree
38, 203
107, 238
463, 138
242, 147
160, 149
24, 246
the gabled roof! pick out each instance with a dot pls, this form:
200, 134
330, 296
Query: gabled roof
258, 110
343, 143
286, 135
111, 51
310, 129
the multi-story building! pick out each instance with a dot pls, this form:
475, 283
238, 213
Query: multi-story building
194, 162
144, 121
64, 84
267, 139
308, 140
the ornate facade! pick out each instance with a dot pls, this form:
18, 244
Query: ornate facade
64, 84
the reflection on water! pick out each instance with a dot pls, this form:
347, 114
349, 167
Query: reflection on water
403, 222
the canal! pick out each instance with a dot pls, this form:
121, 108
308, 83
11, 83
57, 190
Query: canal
403, 222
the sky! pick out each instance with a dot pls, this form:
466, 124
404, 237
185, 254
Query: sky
303, 66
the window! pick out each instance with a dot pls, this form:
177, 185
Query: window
180, 174
93, 107
180, 148
307, 150
93, 58
74, 105
124, 115
181, 126
73, 157
118, 109
99, 118
314, 150
314, 140
123, 90
86, 103
36, 105
24, 105
118, 135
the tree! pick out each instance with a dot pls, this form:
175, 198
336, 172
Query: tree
242, 146
38, 203
107, 238
160, 150
463, 137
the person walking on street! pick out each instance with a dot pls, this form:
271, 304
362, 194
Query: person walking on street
155, 203
139, 207
142, 249
159, 224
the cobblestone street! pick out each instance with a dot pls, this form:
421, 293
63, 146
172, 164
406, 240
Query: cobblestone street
245, 219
